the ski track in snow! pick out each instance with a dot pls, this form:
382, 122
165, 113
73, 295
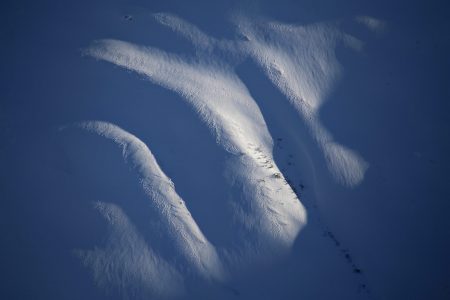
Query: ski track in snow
300, 62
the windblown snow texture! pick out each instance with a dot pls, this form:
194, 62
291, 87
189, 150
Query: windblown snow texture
224, 150
269, 222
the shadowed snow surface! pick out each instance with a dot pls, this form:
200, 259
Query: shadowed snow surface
171, 150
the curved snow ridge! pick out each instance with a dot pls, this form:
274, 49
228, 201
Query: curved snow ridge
127, 264
181, 228
217, 94
226, 106
301, 62
269, 212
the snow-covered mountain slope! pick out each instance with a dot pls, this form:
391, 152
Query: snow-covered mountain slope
170, 150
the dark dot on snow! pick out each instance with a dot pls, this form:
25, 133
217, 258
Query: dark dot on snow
357, 271
363, 287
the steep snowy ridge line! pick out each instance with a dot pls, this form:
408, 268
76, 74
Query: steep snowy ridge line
181, 228
225, 150
300, 61
312, 70
225, 105
218, 96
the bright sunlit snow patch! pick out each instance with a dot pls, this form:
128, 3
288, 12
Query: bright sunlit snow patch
301, 62
180, 229
225, 105
218, 95
266, 213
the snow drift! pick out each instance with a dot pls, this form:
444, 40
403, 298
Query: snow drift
267, 214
